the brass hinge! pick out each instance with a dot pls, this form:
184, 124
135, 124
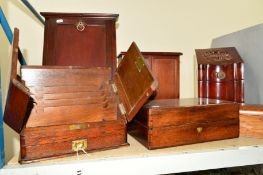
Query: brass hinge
122, 109
78, 145
114, 87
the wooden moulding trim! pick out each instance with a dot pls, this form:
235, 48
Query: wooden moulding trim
157, 53
89, 15
247, 112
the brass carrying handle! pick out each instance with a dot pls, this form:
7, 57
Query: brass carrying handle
80, 26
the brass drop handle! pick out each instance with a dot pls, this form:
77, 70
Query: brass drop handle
81, 26
199, 129
220, 75
79, 145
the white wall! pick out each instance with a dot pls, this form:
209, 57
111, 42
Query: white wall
167, 25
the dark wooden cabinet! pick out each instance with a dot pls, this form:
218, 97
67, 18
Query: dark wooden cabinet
166, 68
80, 39
220, 74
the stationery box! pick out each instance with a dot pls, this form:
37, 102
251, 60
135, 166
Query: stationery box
220, 74
60, 110
172, 122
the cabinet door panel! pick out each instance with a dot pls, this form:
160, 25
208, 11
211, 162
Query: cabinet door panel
167, 74
80, 48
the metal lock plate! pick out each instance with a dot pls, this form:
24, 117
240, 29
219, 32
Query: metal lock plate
79, 145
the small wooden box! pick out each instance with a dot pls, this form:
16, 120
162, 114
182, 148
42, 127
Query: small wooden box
60, 110
80, 39
172, 122
220, 74
166, 68
251, 121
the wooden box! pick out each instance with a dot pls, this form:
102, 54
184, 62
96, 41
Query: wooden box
251, 121
166, 67
220, 74
171, 122
61, 110
80, 39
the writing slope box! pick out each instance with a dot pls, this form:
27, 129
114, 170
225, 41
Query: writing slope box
75, 108
173, 122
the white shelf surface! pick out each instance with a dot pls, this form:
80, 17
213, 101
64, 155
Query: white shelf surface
136, 159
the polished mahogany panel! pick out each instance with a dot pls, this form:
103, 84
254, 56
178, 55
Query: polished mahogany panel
166, 67
80, 39
220, 74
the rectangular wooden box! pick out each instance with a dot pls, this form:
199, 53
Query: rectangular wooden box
166, 68
80, 39
172, 122
220, 74
251, 121
60, 110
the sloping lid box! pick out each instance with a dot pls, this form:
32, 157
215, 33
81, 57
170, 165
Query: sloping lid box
218, 56
133, 83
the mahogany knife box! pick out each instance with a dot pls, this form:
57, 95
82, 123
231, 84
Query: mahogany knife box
171, 122
80, 39
220, 74
166, 68
60, 110
251, 120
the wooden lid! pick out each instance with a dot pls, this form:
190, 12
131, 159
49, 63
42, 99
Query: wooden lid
248, 109
18, 99
218, 56
134, 82
156, 53
17, 106
184, 102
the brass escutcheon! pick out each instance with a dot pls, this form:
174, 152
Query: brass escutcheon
79, 144
220, 75
199, 129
